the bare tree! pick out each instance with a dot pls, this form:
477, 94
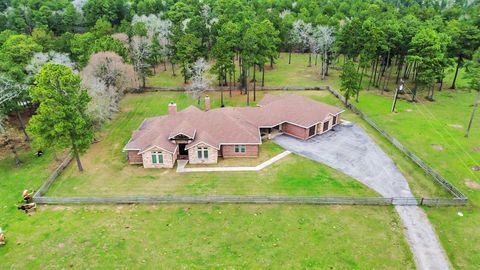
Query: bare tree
11, 96
303, 33
199, 83
140, 52
324, 38
106, 77
123, 38
40, 59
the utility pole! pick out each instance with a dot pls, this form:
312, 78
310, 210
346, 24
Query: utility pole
395, 97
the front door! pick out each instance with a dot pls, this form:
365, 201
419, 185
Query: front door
181, 149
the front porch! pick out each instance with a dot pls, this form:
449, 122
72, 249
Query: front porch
270, 133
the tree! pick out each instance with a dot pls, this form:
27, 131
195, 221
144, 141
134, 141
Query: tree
303, 32
428, 51
44, 38
223, 55
141, 53
112, 11
16, 53
187, 50
473, 73
61, 120
40, 59
199, 83
350, 81
324, 38
12, 96
80, 47
102, 28
465, 39
106, 78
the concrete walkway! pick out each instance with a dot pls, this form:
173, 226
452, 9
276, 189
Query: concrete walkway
182, 163
349, 149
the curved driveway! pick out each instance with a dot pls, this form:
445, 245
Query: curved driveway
350, 150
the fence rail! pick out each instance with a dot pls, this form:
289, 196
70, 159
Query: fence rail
405, 201
427, 169
51, 178
264, 88
460, 198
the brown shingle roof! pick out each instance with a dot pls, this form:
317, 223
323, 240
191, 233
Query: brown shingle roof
234, 125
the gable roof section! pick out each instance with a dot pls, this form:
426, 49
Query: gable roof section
298, 110
232, 125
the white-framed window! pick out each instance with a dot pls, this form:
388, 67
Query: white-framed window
240, 148
157, 158
202, 152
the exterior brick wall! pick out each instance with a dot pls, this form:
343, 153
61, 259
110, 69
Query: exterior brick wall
168, 160
251, 150
295, 131
212, 155
133, 157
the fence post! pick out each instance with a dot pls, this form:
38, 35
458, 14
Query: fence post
421, 201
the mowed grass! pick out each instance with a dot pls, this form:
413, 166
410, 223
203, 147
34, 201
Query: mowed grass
207, 236
107, 172
297, 73
435, 132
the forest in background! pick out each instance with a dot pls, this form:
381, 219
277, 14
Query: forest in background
107, 47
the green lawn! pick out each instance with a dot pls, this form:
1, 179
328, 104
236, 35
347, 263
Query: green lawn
206, 236
107, 172
296, 74
250, 236
435, 132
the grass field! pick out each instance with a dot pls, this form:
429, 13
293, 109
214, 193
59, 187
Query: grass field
435, 132
107, 171
246, 236
207, 236
296, 74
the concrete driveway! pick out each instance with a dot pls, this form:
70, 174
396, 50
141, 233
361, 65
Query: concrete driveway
350, 150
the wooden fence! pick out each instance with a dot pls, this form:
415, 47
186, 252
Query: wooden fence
226, 89
459, 197
51, 178
405, 201
427, 169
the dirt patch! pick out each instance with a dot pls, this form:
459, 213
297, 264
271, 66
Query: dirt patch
476, 168
472, 184
437, 147
455, 126
268, 67
476, 149
409, 110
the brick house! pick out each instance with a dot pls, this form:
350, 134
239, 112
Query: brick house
201, 137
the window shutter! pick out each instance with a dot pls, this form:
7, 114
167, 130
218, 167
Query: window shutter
154, 158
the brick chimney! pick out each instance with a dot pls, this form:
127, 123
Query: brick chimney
172, 108
207, 103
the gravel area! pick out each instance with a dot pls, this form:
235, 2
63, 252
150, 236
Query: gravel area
350, 150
